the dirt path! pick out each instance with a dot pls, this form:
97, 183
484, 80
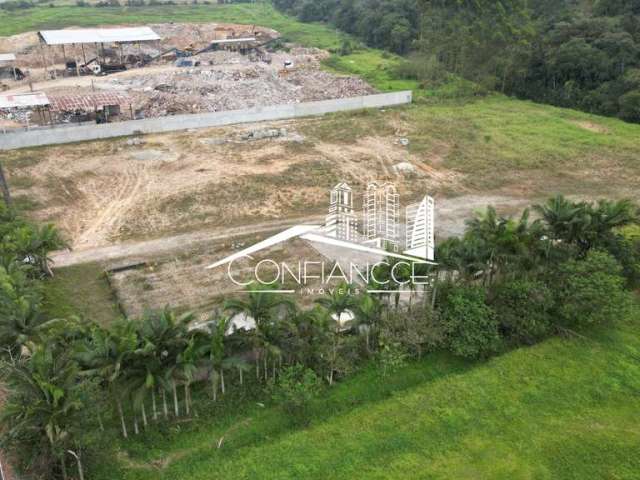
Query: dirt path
450, 218
111, 212
158, 246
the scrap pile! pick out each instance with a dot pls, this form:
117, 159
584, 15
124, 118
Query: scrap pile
231, 81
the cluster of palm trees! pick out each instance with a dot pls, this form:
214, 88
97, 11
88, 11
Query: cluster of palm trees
69, 376
496, 248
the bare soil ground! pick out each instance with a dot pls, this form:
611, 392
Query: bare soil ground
103, 192
179, 201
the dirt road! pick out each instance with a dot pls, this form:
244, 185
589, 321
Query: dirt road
146, 248
450, 217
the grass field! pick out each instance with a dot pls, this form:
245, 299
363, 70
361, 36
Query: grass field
81, 291
564, 409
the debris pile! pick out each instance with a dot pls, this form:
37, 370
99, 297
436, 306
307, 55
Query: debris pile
232, 84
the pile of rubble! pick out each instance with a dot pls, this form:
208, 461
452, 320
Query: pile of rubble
234, 82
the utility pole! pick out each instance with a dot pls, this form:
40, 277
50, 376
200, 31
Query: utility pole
5, 188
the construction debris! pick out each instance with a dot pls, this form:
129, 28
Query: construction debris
195, 68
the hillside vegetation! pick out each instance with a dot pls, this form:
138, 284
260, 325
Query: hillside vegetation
584, 54
565, 409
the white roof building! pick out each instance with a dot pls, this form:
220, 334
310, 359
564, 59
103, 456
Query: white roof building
98, 35
7, 57
24, 100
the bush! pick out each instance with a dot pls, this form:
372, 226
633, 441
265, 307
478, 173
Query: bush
297, 386
630, 106
470, 326
391, 357
592, 290
523, 308
416, 332
427, 70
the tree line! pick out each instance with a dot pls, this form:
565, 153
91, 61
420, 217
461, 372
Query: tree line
583, 55
73, 385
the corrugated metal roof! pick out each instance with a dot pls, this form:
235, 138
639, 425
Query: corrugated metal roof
98, 35
87, 102
23, 100
234, 40
7, 57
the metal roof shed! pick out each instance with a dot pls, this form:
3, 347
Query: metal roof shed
24, 100
98, 35
7, 57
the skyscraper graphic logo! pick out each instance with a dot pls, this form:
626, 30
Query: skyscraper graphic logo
381, 212
420, 239
342, 222
382, 224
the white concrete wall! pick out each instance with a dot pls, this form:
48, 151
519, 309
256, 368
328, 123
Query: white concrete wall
69, 134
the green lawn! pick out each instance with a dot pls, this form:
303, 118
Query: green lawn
564, 409
82, 291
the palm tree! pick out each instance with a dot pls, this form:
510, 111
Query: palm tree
20, 309
32, 245
45, 396
166, 337
261, 305
104, 356
306, 332
566, 221
187, 365
337, 301
606, 216
217, 353
368, 312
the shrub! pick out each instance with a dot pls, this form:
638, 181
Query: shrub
592, 290
425, 69
391, 357
470, 326
296, 387
417, 332
523, 308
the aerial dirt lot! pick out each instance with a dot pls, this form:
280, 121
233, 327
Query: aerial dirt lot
104, 192
156, 209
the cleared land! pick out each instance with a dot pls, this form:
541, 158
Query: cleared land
157, 185
564, 409
177, 200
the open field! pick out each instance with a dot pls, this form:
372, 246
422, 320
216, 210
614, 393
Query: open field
175, 199
107, 191
564, 409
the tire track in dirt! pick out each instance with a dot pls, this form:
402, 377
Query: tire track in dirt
108, 215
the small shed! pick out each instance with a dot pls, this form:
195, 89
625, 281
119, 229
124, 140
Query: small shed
96, 36
32, 101
8, 68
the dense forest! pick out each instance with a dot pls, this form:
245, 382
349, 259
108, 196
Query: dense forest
573, 53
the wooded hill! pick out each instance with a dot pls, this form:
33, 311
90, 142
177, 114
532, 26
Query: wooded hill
570, 53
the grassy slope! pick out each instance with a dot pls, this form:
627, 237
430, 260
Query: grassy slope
564, 409
497, 141
82, 291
